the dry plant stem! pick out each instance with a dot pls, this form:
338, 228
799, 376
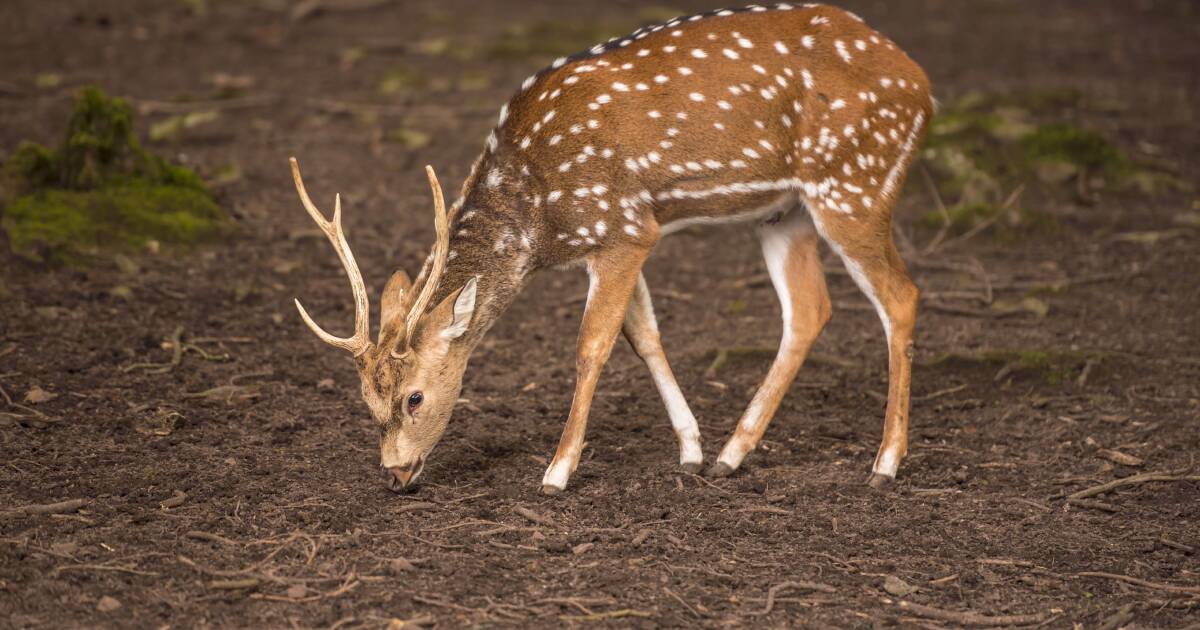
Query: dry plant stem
946, 221
972, 618
969, 234
176, 342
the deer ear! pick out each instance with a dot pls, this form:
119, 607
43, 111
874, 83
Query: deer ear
397, 295
456, 310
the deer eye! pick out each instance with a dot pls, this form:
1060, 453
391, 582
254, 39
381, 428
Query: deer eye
414, 400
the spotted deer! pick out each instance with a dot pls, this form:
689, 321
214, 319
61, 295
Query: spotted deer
799, 118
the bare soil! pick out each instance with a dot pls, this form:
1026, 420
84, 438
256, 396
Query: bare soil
282, 520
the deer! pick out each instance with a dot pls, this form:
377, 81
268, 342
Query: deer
799, 119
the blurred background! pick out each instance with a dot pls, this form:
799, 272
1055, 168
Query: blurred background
218, 467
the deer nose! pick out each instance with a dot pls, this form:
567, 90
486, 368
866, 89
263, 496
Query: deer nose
397, 478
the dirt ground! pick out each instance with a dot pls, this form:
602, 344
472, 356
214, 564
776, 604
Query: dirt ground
282, 520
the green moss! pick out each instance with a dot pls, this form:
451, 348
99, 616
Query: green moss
962, 217
1052, 367
69, 226
1064, 143
547, 39
401, 79
99, 190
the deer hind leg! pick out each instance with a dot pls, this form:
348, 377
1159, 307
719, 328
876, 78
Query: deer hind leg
790, 249
614, 275
864, 242
641, 329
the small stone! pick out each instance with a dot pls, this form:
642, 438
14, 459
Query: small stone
64, 547
108, 604
895, 586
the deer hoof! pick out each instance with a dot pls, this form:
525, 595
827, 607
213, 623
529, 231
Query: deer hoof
880, 482
550, 490
718, 470
691, 468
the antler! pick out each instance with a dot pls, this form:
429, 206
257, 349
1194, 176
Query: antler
441, 249
360, 342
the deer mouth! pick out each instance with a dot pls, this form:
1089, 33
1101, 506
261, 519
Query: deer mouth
402, 479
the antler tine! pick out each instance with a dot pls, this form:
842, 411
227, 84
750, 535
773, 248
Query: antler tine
360, 341
441, 248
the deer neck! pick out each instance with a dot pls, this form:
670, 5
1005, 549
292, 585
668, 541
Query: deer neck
492, 239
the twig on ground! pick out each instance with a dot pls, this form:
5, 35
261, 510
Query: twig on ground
349, 584
533, 517
578, 602
61, 507
708, 483
774, 590
1091, 504
681, 601
603, 616
199, 535
968, 618
1172, 588
764, 509
234, 585
1127, 481
417, 506
430, 542
103, 567
941, 392
468, 523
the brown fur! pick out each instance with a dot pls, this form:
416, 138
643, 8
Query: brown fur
730, 115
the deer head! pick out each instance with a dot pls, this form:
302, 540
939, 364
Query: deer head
412, 375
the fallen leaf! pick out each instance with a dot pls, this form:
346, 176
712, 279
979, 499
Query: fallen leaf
175, 501
38, 395
108, 604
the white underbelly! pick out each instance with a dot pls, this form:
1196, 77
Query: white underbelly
781, 205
